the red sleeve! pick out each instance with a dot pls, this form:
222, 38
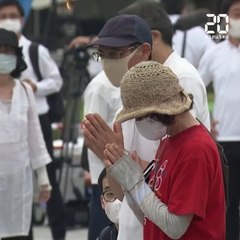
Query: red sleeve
191, 179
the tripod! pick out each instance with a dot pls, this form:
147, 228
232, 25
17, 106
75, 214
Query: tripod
75, 64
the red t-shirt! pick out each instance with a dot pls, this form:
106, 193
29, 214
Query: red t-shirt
188, 179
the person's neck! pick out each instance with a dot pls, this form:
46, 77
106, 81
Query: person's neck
163, 53
182, 122
234, 41
5, 80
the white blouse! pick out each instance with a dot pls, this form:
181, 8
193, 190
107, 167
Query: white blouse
22, 149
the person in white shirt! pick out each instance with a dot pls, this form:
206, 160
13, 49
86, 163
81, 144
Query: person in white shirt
103, 98
22, 147
220, 65
130, 227
196, 40
12, 18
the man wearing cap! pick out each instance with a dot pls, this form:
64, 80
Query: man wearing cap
220, 65
103, 97
162, 52
12, 18
184, 194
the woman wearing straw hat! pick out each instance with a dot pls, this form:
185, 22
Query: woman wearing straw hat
184, 194
22, 147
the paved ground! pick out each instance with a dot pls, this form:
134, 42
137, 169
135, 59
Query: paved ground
43, 233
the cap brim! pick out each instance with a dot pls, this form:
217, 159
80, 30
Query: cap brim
170, 107
112, 42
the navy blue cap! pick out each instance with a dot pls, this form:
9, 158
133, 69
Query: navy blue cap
123, 30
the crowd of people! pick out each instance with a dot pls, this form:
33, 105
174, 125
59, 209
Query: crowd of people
154, 164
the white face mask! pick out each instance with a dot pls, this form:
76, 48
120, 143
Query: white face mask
7, 63
11, 25
234, 29
116, 68
112, 210
151, 129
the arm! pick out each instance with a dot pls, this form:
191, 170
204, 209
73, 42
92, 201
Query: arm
43, 183
130, 176
204, 67
52, 80
37, 149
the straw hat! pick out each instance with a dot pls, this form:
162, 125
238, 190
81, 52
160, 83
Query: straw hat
150, 87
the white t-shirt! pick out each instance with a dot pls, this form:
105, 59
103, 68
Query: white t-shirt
52, 80
189, 78
191, 81
197, 42
221, 65
103, 98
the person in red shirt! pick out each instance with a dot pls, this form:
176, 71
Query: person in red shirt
180, 195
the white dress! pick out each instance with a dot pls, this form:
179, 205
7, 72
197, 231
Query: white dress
22, 149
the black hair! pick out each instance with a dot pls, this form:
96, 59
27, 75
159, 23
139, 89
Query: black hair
226, 5
168, 119
102, 175
154, 15
174, 6
21, 64
6, 3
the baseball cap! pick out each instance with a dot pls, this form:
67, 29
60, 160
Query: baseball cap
123, 30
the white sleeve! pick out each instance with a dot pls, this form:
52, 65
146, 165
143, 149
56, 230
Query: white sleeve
204, 68
52, 80
42, 176
130, 176
94, 102
37, 149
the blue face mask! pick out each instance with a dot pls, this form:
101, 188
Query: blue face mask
8, 63
151, 129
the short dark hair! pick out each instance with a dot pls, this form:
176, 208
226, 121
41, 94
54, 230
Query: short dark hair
6, 3
102, 175
226, 5
154, 15
168, 119
174, 6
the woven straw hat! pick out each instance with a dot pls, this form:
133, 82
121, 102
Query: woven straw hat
150, 87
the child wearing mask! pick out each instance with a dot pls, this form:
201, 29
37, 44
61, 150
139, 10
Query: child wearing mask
111, 205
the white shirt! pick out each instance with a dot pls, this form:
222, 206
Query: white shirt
52, 80
191, 81
189, 78
221, 65
22, 149
197, 42
103, 98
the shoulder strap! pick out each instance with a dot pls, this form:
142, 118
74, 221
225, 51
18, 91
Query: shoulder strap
25, 89
33, 54
225, 165
184, 44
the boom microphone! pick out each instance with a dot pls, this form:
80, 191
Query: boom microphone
193, 19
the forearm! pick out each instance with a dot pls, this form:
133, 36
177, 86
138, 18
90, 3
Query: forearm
174, 226
42, 176
130, 176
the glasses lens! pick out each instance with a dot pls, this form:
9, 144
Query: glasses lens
109, 196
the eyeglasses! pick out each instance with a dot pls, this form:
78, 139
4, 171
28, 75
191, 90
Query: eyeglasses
109, 196
113, 53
